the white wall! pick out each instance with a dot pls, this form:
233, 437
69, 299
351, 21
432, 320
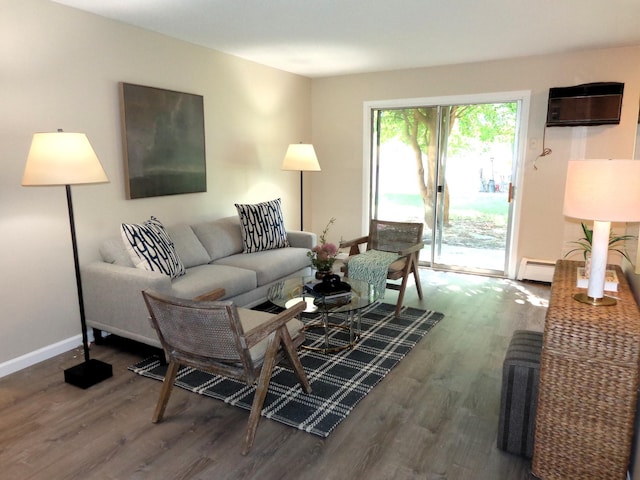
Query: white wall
60, 68
337, 122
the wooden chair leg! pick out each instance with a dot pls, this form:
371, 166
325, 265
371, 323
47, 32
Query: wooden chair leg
294, 359
403, 287
412, 266
261, 391
400, 296
165, 393
416, 275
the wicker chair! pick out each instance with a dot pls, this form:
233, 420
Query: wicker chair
220, 338
403, 238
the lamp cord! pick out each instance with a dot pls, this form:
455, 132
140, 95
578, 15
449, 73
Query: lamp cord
545, 151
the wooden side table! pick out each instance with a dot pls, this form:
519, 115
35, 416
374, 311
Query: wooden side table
588, 383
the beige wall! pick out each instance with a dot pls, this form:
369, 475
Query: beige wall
60, 68
337, 113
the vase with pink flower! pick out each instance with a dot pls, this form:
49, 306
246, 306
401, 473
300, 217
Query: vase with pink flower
324, 254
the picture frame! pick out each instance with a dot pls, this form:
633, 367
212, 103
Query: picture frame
163, 141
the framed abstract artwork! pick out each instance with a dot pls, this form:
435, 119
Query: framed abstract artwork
163, 141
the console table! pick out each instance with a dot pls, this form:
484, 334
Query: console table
588, 383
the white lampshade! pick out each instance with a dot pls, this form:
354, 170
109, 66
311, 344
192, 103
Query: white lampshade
603, 190
301, 157
61, 158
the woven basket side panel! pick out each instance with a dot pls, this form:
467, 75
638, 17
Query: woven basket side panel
604, 345
609, 334
588, 383
585, 430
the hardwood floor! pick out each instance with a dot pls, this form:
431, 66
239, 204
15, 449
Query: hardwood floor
435, 416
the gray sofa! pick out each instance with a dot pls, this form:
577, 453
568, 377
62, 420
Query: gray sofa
212, 254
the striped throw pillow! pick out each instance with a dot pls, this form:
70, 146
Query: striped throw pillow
262, 226
151, 248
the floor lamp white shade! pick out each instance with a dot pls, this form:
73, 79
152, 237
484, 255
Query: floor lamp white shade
62, 158
604, 191
301, 157
67, 159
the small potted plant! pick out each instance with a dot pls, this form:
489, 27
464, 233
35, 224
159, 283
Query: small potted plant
324, 254
616, 244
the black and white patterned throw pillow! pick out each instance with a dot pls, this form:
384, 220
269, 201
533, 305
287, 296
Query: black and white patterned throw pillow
262, 226
151, 248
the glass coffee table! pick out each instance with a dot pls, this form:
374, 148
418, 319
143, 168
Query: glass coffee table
337, 336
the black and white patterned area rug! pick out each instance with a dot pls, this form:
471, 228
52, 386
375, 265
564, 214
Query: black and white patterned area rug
338, 380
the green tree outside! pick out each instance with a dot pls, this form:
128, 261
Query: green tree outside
471, 127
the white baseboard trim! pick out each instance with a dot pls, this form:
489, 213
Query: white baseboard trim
40, 355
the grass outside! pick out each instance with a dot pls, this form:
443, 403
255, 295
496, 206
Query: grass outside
491, 204
476, 220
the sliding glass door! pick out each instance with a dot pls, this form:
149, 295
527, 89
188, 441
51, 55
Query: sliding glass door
451, 167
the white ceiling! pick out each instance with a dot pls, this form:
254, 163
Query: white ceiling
317, 38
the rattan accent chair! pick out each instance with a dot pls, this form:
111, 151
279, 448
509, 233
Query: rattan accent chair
220, 338
403, 238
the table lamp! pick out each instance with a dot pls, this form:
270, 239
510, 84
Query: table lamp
302, 157
62, 158
604, 191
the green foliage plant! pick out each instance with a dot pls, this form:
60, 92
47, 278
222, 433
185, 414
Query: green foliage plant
616, 243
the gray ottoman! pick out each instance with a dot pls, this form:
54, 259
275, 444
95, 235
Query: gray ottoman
519, 400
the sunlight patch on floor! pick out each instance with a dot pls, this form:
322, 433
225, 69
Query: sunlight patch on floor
529, 296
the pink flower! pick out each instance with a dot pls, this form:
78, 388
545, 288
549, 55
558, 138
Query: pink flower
330, 249
323, 255
325, 251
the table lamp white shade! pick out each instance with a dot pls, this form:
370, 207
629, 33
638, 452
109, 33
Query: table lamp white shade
62, 158
301, 157
604, 191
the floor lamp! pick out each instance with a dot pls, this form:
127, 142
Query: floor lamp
604, 191
301, 157
62, 158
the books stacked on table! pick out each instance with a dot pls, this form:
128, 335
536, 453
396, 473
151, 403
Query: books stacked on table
342, 294
610, 280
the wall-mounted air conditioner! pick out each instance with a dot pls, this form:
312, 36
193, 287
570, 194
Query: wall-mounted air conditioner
588, 104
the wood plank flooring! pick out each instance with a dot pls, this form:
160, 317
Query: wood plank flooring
434, 417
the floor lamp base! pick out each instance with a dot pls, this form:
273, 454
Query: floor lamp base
88, 373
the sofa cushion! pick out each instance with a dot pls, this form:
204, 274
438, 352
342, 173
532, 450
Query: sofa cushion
188, 247
270, 265
220, 238
205, 278
113, 251
151, 248
262, 226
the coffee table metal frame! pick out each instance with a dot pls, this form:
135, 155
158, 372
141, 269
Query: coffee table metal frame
290, 291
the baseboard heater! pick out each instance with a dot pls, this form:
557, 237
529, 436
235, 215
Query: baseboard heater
536, 270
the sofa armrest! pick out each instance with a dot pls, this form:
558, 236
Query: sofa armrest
301, 239
113, 298
103, 274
